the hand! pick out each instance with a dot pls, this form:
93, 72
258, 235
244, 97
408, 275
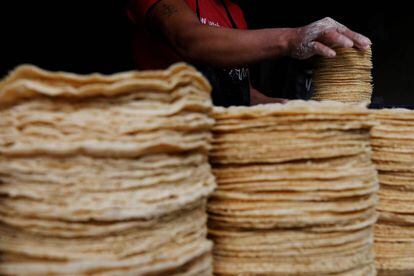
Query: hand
258, 98
320, 37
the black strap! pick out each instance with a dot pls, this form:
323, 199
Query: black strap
233, 23
198, 10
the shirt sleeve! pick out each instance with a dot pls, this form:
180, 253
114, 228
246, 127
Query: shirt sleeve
138, 9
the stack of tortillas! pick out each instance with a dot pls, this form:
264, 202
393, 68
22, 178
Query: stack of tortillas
296, 190
105, 174
345, 78
393, 154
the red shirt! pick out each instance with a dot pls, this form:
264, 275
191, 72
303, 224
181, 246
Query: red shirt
152, 53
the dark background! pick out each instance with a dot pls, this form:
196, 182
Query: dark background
94, 36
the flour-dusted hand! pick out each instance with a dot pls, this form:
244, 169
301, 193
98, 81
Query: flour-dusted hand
320, 37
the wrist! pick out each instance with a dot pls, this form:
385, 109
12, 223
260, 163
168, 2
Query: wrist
292, 41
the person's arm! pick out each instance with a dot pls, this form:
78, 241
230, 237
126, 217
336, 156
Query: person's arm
211, 45
225, 47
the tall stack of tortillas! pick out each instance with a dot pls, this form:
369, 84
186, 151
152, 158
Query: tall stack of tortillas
393, 154
296, 190
105, 174
345, 78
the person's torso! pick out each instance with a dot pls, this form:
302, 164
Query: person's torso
230, 86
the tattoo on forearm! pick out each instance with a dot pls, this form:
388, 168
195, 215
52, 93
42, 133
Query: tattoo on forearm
167, 9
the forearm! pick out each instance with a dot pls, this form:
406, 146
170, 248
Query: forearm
229, 47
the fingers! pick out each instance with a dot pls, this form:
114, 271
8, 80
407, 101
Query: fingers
332, 38
276, 100
322, 50
280, 100
360, 41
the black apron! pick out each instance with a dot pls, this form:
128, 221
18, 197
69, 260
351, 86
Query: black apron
230, 86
